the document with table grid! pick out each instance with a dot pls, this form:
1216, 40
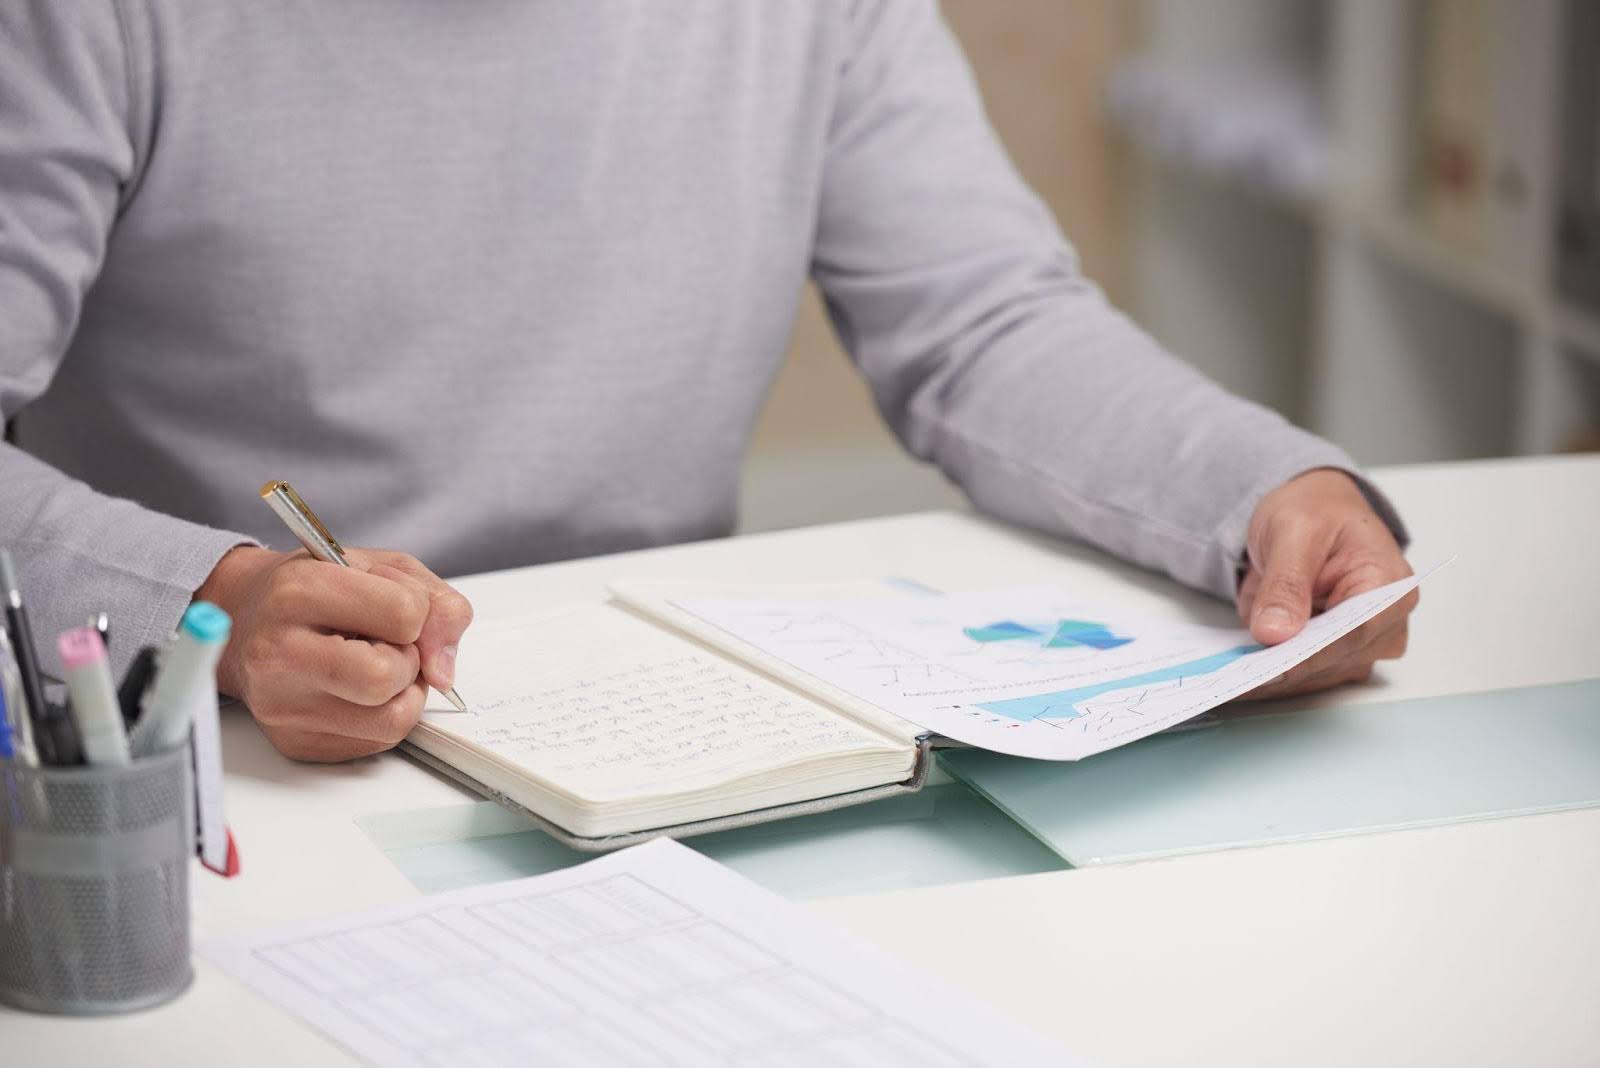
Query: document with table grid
654, 955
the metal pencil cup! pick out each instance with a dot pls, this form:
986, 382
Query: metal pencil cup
94, 885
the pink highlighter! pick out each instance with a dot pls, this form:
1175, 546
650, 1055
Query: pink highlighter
92, 696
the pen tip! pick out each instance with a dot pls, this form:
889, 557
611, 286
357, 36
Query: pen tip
455, 699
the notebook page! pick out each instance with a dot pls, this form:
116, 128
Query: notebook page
603, 706
654, 955
663, 600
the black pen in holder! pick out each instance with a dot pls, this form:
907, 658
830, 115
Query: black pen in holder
94, 884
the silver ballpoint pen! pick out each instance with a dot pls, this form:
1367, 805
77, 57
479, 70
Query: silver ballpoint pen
304, 524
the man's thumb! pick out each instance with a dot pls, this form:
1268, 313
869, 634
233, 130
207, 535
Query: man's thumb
1283, 603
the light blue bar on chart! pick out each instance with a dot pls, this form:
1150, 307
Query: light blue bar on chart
1312, 773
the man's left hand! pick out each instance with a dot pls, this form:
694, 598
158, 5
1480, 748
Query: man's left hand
1314, 542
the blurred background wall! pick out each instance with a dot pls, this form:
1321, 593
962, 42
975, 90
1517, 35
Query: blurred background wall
1381, 217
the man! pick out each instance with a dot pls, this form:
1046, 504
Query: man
500, 282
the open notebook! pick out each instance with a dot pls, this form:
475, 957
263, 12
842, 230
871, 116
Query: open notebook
609, 726
685, 708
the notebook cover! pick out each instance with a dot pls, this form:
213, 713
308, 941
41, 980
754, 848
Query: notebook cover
607, 843
1304, 774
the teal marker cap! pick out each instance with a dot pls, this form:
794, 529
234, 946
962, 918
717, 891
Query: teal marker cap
205, 622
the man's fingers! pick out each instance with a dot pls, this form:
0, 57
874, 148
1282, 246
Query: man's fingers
1350, 659
348, 600
1368, 573
1374, 632
1289, 561
449, 615
1392, 645
378, 727
387, 724
1291, 682
353, 669
318, 747
1249, 586
1307, 677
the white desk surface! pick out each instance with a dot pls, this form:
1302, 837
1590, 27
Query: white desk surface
1476, 943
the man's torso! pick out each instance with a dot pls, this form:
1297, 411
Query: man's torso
493, 282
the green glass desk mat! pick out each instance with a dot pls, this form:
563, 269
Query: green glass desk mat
1311, 773
942, 834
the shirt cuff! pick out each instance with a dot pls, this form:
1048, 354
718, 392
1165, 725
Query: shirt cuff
189, 571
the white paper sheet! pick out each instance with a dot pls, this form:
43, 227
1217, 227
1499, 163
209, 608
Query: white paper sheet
654, 955
1029, 672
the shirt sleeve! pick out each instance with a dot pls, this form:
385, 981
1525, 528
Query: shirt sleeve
66, 157
989, 352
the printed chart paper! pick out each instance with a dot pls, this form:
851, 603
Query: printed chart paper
654, 955
1029, 672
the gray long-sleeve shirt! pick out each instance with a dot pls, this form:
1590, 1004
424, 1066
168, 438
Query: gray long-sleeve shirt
505, 282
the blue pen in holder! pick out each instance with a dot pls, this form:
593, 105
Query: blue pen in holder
94, 884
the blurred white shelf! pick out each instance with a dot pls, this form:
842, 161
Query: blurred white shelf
1460, 271
1273, 244
1469, 275
1261, 126
1580, 329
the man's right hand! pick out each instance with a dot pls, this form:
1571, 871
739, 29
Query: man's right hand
335, 662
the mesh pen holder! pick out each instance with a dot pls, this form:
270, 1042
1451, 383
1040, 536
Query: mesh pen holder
94, 885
